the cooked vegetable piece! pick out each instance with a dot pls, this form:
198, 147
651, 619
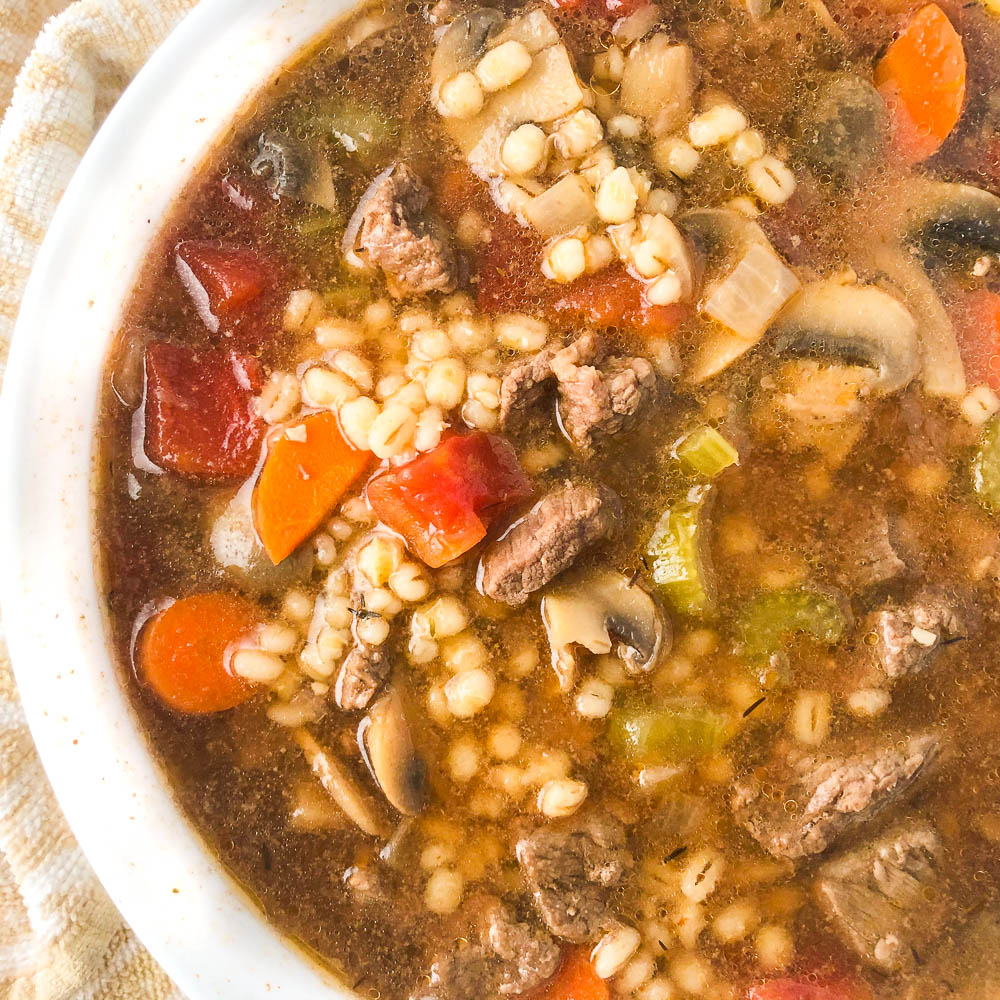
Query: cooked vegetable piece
706, 451
770, 618
221, 278
678, 555
922, 79
669, 732
443, 501
308, 469
976, 318
808, 988
200, 417
612, 297
575, 980
986, 467
183, 652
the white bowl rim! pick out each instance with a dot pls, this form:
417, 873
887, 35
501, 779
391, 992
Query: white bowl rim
205, 932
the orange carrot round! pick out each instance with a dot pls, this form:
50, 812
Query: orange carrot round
183, 652
308, 469
575, 980
922, 79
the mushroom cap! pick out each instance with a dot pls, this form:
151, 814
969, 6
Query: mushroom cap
939, 217
852, 324
597, 608
386, 743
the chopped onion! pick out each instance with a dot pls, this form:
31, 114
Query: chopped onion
658, 82
567, 205
752, 294
632, 28
942, 371
349, 245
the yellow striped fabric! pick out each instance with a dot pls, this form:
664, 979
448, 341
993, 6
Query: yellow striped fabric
62, 67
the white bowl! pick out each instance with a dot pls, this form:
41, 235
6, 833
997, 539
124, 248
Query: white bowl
195, 920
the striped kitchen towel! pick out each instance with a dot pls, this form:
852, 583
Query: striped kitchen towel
60, 936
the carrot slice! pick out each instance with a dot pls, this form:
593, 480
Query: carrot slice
307, 470
922, 79
183, 652
575, 980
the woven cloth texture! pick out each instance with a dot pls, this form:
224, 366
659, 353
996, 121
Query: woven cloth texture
62, 67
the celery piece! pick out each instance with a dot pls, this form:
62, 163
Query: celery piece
677, 551
986, 467
706, 451
766, 622
669, 731
318, 222
348, 295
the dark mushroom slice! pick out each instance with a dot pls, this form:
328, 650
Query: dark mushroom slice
463, 44
291, 169
843, 128
386, 743
951, 222
604, 611
851, 324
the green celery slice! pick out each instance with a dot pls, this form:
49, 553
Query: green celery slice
677, 552
765, 623
706, 451
986, 467
671, 731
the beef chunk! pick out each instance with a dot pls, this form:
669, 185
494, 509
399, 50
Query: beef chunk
598, 395
966, 964
886, 899
528, 956
524, 386
574, 874
908, 635
861, 551
599, 401
501, 955
463, 973
361, 674
398, 236
548, 539
833, 793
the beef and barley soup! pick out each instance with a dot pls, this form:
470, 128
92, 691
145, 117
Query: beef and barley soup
548, 500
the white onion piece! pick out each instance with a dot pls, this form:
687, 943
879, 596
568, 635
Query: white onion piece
942, 371
748, 299
349, 244
632, 28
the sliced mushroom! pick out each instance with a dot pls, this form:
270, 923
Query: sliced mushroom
843, 127
463, 43
293, 170
595, 610
852, 324
946, 219
388, 749
341, 786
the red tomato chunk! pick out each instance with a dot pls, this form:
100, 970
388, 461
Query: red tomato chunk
976, 317
803, 989
443, 502
200, 417
221, 278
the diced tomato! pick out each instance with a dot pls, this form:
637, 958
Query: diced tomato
612, 297
200, 417
921, 77
221, 278
575, 980
806, 989
443, 502
611, 9
976, 318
